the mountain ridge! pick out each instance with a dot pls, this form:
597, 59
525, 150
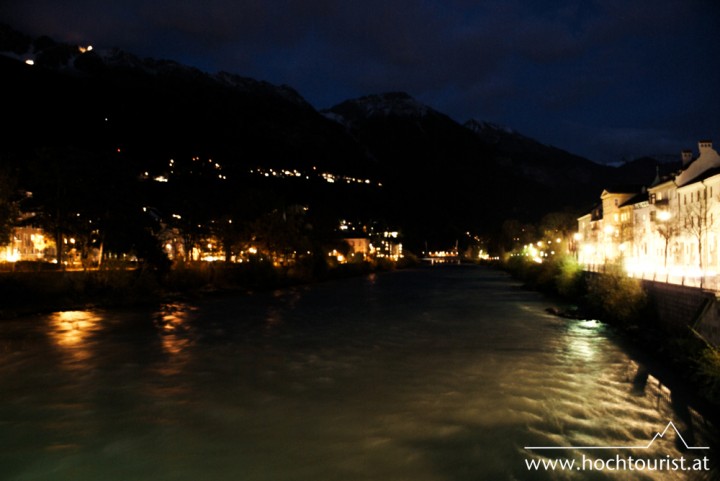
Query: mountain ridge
441, 178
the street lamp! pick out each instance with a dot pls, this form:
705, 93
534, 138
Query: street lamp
663, 215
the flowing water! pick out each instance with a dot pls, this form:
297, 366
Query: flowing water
444, 373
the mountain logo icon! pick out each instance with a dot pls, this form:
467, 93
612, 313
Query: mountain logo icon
646, 446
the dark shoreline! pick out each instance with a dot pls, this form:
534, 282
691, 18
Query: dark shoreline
28, 293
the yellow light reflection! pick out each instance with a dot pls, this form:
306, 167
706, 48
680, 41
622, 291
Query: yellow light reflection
70, 331
172, 320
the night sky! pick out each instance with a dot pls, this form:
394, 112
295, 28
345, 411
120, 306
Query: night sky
607, 79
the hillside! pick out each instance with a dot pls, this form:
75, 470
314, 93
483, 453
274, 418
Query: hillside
384, 157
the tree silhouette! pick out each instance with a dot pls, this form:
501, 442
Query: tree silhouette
698, 220
283, 233
667, 227
9, 211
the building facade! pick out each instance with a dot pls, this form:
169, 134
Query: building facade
669, 230
28, 244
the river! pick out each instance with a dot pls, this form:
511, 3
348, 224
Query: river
443, 373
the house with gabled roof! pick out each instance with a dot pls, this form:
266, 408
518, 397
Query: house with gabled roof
670, 228
602, 231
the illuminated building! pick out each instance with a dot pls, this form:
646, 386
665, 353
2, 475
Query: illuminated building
359, 246
28, 244
668, 231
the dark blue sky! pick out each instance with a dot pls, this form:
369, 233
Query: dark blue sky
606, 79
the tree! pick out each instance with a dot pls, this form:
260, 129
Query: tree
90, 196
514, 234
56, 179
698, 221
283, 233
9, 211
667, 227
559, 225
240, 211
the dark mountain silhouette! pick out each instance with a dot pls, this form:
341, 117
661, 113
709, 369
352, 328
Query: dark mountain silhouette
439, 178
474, 176
547, 164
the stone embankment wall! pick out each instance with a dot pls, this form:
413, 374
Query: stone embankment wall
681, 306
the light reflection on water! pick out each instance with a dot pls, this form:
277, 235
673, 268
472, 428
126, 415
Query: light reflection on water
172, 321
583, 339
430, 375
71, 332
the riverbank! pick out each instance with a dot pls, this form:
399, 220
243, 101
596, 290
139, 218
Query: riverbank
681, 359
36, 291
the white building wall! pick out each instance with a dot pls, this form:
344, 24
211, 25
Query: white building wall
686, 208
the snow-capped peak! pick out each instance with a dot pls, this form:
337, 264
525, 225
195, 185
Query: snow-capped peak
481, 126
